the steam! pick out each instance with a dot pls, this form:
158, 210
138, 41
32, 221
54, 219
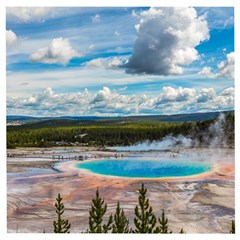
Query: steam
216, 130
168, 142
213, 137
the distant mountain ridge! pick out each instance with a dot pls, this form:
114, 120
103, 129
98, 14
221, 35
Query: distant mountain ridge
76, 120
26, 118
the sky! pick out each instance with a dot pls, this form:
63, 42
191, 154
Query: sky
80, 61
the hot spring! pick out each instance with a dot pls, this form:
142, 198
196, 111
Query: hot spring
137, 167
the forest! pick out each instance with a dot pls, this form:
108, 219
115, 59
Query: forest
120, 133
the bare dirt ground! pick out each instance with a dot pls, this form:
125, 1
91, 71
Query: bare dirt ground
200, 204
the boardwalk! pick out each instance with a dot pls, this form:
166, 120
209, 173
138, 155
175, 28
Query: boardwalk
43, 156
62, 158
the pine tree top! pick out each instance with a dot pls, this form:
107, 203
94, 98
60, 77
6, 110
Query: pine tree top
61, 225
145, 220
96, 214
120, 224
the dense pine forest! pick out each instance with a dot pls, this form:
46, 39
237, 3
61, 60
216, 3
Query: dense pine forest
122, 133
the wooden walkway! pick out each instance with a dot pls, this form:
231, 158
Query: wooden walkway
63, 158
53, 157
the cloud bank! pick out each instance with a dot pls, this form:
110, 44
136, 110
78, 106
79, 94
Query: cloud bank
108, 102
166, 40
59, 51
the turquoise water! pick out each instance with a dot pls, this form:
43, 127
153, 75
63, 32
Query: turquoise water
139, 168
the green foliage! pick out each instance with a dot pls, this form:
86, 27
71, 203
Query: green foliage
114, 133
163, 227
96, 214
95, 135
61, 225
233, 227
10, 145
144, 221
120, 224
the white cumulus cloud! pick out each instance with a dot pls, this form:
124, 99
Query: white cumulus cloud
166, 40
174, 94
206, 72
228, 92
11, 38
107, 63
28, 14
103, 94
59, 51
225, 69
206, 94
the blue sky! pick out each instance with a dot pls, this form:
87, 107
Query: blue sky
119, 61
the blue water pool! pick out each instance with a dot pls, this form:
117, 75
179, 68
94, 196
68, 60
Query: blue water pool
139, 168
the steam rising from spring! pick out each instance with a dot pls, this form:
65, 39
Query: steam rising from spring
214, 136
168, 142
216, 130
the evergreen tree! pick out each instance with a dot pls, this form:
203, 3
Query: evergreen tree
96, 213
120, 224
233, 227
61, 225
163, 227
145, 221
181, 231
